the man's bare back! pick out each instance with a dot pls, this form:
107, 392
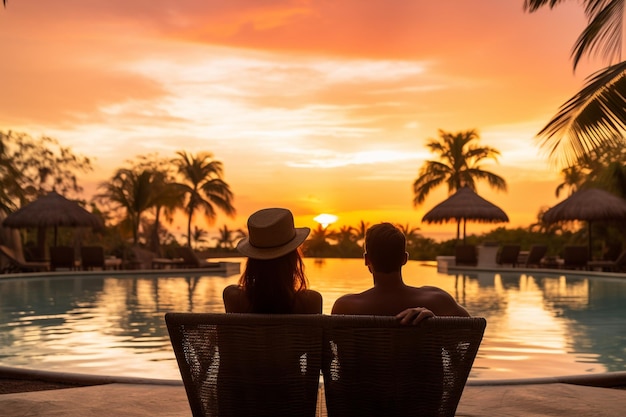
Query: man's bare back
384, 257
391, 301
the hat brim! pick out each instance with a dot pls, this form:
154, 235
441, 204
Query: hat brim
245, 248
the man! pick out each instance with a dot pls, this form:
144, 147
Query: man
385, 254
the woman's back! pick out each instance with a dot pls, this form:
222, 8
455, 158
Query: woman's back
304, 301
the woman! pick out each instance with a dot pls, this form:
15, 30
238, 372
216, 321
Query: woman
273, 280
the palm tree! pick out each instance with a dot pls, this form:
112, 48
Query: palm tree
604, 167
131, 191
317, 244
458, 165
345, 234
167, 196
204, 187
10, 189
227, 237
596, 115
360, 230
410, 233
198, 235
573, 178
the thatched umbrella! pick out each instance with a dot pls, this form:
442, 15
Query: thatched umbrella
52, 210
465, 205
589, 204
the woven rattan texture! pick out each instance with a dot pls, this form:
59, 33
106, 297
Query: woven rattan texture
269, 365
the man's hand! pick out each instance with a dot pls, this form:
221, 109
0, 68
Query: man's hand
412, 316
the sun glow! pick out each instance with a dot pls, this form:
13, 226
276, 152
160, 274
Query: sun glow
325, 219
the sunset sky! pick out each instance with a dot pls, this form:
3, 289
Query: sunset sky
319, 106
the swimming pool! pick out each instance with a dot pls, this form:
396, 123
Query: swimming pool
539, 324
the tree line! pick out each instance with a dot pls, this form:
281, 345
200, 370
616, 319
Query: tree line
134, 203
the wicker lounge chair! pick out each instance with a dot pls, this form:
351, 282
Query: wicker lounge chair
248, 365
15, 263
62, 257
466, 255
191, 260
269, 365
92, 257
617, 265
575, 257
508, 255
375, 367
535, 255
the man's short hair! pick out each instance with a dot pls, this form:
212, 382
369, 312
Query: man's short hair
385, 246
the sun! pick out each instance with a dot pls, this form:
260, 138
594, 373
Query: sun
325, 219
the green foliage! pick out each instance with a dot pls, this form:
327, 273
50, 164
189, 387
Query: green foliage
595, 115
204, 187
32, 167
458, 165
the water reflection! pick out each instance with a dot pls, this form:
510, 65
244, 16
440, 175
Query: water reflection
538, 324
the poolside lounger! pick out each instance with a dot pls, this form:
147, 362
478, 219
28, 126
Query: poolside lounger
617, 265
535, 255
16, 263
92, 257
575, 257
269, 365
373, 366
248, 365
62, 257
191, 260
466, 255
508, 255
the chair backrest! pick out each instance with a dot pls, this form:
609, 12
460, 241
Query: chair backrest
189, 257
248, 364
92, 256
373, 366
62, 257
575, 256
536, 254
621, 259
466, 255
508, 254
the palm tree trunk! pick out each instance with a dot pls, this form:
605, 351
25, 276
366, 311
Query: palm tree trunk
155, 244
189, 228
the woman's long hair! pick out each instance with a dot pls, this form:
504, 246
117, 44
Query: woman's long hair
270, 284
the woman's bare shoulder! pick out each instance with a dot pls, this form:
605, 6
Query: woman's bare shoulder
308, 302
234, 299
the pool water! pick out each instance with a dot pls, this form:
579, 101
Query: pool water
538, 324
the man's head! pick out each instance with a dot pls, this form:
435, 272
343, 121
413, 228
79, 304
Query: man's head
385, 248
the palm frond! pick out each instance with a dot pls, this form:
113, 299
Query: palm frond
603, 33
533, 5
594, 117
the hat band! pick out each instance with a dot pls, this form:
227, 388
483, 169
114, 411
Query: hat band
273, 241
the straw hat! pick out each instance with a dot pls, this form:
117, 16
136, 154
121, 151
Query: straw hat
271, 234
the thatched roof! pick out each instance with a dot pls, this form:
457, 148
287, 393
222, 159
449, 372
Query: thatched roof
465, 204
588, 204
52, 210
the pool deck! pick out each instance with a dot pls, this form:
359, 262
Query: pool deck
135, 397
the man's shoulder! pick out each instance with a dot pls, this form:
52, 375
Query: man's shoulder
428, 289
347, 303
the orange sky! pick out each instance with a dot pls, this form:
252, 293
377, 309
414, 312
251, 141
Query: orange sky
319, 106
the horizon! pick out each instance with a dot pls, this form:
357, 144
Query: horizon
312, 106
